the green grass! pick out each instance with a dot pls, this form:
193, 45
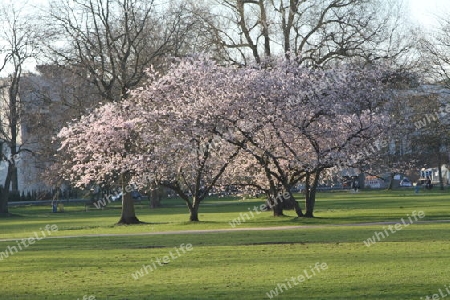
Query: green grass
331, 208
408, 264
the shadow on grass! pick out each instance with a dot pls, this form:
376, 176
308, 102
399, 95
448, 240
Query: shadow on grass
140, 223
272, 243
148, 247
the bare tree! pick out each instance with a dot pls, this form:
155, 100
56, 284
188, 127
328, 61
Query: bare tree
435, 47
111, 43
114, 41
19, 40
315, 32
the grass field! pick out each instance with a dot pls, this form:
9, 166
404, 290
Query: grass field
154, 263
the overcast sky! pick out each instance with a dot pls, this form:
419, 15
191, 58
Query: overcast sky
425, 11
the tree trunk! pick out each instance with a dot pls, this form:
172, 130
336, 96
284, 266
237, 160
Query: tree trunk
193, 211
283, 199
309, 207
14, 181
5, 191
289, 200
128, 213
4, 202
275, 203
296, 206
309, 203
277, 209
310, 196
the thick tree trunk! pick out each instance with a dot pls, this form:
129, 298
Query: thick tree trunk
128, 212
284, 200
275, 203
193, 211
277, 209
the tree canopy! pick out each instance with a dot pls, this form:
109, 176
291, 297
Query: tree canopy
203, 126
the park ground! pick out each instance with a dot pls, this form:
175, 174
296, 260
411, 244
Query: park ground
321, 258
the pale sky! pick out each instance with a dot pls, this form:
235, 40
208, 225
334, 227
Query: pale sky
425, 11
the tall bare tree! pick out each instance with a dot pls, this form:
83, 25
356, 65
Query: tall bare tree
436, 52
115, 41
111, 43
315, 32
19, 44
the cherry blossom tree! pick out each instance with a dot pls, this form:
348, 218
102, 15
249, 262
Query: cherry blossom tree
307, 121
161, 131
100, 149
202, 125
180, 113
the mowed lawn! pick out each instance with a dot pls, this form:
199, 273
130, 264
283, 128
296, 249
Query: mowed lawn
153, 263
